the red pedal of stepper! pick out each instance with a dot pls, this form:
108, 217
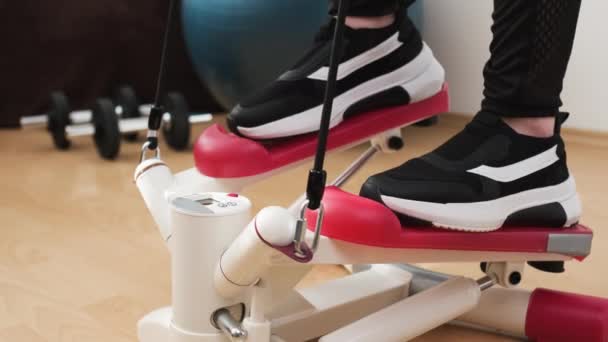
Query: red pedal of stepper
220, 154
555, 316
359, 220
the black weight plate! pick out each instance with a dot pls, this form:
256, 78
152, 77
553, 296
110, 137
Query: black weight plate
432, 121
125, 97
107, 133
177, 132
58, 119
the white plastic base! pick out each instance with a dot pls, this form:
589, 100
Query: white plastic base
366, 306
158, 327
414, 315
154, 327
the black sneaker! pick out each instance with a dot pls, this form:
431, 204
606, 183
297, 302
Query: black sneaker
379, 68
483, 178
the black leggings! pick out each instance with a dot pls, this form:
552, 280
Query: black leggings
531, 46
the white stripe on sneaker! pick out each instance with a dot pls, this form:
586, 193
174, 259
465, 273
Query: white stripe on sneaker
489, 215
421, 71
348, 67
520, 169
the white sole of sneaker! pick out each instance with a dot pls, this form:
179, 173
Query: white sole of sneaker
422, 78
490, 215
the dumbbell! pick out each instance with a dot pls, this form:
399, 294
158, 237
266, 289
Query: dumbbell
60, 111
59, 103
60, 119
61, 115
107, 129
127, 106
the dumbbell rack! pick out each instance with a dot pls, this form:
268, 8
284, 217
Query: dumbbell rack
109, 120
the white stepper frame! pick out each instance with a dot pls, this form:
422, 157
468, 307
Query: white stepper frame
229, 284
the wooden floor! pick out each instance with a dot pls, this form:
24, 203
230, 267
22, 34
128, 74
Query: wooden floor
81, 261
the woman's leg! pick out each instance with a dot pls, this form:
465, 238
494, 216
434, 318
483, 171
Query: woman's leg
531, 46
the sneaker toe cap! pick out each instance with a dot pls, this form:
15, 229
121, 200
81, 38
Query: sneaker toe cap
371, 189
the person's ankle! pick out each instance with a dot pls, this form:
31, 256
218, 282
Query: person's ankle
539, 127
370, 22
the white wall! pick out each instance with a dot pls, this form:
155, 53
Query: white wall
459, 33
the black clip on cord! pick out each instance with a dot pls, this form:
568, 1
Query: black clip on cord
157, 111
317, 177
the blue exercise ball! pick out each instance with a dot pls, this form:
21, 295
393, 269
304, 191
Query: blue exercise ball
416, 14
238, 46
